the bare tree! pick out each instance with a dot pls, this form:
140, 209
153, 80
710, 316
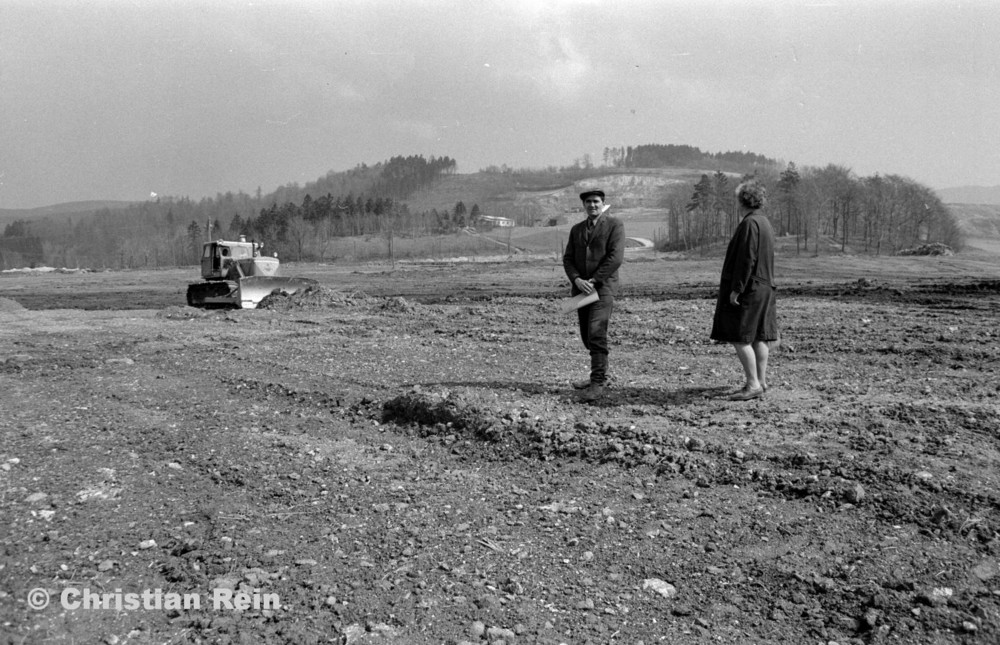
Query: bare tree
297, 231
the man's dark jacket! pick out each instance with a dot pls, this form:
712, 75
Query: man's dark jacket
596, 254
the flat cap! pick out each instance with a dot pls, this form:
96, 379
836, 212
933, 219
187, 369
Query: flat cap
590, 193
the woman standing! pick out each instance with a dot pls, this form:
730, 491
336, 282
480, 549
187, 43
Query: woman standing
745, 313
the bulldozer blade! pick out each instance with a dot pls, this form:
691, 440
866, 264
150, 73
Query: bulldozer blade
253, 289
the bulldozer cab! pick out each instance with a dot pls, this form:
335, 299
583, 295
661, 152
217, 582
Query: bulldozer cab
218, 257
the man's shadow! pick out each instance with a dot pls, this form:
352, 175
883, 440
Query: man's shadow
662, 397
614, 396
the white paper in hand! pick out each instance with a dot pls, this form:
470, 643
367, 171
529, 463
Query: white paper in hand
577, 301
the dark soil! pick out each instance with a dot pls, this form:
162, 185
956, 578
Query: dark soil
398, 467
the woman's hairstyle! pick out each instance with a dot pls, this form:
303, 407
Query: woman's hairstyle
752, 194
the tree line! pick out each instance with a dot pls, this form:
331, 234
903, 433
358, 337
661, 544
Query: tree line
880, 214
366, 200
683, 156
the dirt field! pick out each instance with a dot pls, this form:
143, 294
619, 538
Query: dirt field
398, 458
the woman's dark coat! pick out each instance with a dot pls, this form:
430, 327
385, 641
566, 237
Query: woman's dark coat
748, 270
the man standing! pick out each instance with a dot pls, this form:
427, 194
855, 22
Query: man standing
595, 251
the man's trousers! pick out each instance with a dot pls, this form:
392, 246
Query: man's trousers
594, 333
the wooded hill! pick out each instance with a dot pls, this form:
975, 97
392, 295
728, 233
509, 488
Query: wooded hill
414, 197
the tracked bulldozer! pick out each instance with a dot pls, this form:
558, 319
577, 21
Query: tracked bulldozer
237, 274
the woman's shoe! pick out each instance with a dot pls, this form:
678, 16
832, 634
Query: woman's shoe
746, 394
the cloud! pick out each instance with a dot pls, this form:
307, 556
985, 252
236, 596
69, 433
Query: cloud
208, 95
568, 69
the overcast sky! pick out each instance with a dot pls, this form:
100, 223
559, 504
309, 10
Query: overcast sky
120, 99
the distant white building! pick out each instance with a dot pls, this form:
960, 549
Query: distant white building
497, 222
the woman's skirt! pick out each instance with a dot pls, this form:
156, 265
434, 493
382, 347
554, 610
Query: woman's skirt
754, 319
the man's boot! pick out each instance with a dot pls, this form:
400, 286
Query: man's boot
598, 374
593, 392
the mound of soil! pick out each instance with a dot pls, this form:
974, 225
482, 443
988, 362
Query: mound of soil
314, 297
399, 305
